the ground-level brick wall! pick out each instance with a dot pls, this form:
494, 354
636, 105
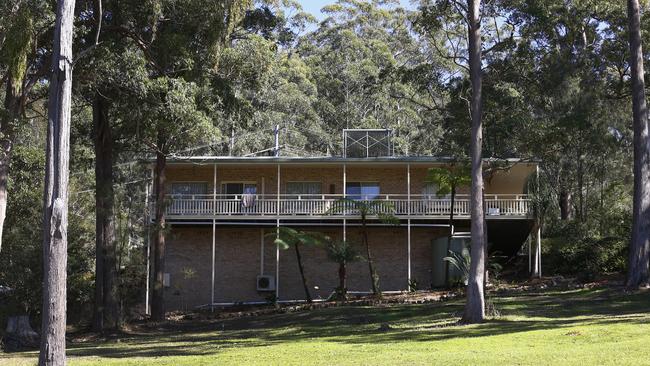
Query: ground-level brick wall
238, 257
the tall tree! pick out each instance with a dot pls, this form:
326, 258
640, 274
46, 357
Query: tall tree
55, 200
475, 305
182, 58
106, 301
639, 255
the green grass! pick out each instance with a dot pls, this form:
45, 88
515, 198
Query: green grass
579, 327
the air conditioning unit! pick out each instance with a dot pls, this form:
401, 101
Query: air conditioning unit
265, 283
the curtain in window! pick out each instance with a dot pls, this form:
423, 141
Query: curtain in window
304, 188
189, 188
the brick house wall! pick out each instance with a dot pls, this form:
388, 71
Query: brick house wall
238, 256
391, 178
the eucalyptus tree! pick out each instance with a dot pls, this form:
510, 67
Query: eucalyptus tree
181, 57
97, 83
55, 198
569, 82
265, 86
356, 56
638, 272
475, 305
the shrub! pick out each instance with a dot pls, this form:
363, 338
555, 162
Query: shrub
586, 258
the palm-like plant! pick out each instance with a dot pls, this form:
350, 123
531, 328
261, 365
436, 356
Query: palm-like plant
342, 252
289, 237
461, 261
365, 209
448, 180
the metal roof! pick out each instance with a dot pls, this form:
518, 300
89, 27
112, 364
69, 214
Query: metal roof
323, 160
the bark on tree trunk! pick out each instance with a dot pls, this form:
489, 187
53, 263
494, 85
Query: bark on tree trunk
475, 305
106, 302
157, 301
19, 334
374, 278
55, 200
581, 185
342, 280
302, 273
637, 273
535, 273
565, 205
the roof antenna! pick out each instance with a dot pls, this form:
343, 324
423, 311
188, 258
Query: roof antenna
276, 132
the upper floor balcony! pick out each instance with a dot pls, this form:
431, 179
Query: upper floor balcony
336, 206
268, 188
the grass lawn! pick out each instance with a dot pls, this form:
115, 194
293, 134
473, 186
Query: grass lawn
576, 327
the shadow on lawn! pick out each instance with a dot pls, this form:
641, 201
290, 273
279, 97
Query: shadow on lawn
359, 325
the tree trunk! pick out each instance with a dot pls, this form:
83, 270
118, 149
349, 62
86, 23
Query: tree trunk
565, 205
637, 273
302, 273
106, 302
475, 305
451, 231
342, 281
157, 302
55, 205
19, 334
581, 187
536, 270
374, 278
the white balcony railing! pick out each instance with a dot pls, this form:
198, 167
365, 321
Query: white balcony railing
329, 205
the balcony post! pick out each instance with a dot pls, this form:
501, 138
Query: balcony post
408, 224
148, 225
261, 251
345, 178
530, 262
214, 230
277, 236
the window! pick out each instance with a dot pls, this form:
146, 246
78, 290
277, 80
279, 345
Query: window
304, 188
189, 188
362, 190
430, 192
182, 194
238, 188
